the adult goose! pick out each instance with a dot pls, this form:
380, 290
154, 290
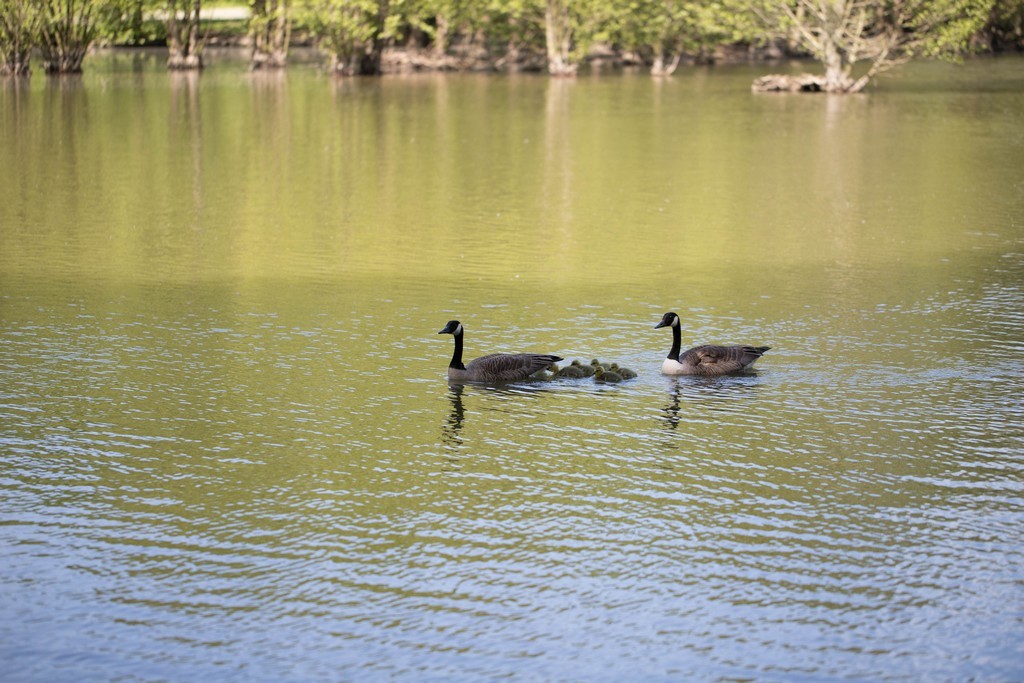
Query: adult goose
496, 367
707, 360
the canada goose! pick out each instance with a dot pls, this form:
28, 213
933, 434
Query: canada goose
496, 367
707, 360
602, 375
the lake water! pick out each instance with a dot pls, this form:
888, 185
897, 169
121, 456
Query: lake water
228, 450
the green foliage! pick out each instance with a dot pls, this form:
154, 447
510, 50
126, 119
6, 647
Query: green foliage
945, 27
147, 32
131, 22
880, 33
671, 27
351, 32
511, 24
342, 27
588, 20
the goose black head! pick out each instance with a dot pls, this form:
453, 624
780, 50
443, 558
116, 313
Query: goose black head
453, 327
668, 320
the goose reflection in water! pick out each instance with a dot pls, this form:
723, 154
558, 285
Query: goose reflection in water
710, 393
451, 429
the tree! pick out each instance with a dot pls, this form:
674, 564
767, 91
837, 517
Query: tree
352, 33
881, 33
558, 38
515, 27
270, 29
67, 28
184, 46
570, 27
18, 27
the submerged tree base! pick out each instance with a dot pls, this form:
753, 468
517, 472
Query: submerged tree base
562, 70
185, 62
269, 60
60, 67
784, 83
15, 68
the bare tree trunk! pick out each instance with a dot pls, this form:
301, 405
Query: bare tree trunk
837, 71
558, 36
16, 64
658, 65
661, 67
441, 36
270, 28
370, 65
183, 43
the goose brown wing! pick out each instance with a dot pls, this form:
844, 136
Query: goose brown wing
508, 367
720, 360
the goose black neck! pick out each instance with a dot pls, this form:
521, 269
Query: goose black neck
677, 340
457, 356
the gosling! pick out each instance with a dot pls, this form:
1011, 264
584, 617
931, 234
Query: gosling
602, 375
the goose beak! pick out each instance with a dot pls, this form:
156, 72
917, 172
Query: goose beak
660, 324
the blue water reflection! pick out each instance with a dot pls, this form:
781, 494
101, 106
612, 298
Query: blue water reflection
229, 450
